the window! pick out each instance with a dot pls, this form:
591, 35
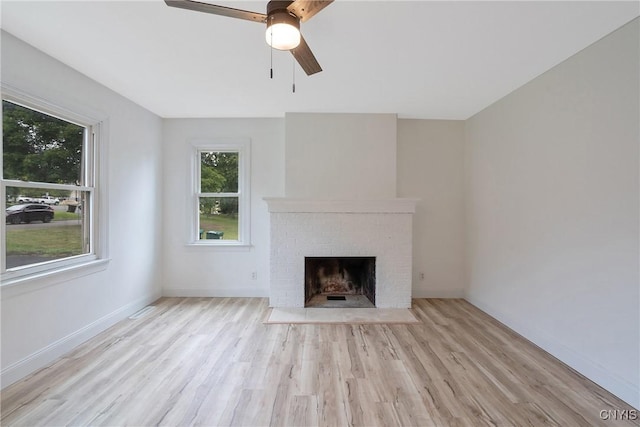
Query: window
221, 193
49, 188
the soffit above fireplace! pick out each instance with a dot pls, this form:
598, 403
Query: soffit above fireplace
293, 205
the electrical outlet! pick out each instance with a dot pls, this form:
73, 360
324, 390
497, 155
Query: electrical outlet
254, 275
421, 276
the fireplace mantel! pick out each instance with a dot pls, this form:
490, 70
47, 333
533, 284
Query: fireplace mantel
290, 205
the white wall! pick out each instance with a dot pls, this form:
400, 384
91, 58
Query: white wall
45, 318
206, 271
430, 168
340, 156
553, 211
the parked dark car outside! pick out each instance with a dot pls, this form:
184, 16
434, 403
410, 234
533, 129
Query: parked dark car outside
29, 212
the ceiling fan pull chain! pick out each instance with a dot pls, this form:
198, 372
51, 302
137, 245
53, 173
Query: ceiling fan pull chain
271, 49
294, 76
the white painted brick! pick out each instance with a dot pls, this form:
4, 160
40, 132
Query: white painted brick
387, 236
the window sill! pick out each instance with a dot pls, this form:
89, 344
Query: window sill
219, 246
33, 282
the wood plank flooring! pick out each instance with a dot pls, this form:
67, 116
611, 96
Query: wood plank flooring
212, 362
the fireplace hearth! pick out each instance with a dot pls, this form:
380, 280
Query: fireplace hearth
340, 281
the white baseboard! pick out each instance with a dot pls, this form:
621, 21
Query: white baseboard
615, 384
216, 293
437, 293
53, 351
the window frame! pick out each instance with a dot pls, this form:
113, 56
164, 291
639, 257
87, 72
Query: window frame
242, 146
94, 171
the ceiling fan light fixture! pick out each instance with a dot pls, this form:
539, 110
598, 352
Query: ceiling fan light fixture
283, 31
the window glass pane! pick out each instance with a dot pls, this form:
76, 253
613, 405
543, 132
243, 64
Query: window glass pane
45, 230
218, 218
40, 148
218, 172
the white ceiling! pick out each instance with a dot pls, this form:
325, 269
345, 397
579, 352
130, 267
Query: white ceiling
420, 59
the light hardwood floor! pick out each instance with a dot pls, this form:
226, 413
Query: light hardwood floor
211, 361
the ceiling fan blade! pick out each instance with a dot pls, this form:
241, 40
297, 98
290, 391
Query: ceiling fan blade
306, 9
217, 10
305, 58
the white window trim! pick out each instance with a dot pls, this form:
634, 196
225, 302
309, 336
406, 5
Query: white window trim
72, 266
243, 147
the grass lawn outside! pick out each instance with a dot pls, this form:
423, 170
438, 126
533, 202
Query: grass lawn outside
66, 216
226, 223
66, 240
52, 241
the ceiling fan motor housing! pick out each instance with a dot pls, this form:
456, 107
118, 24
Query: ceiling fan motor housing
277, 5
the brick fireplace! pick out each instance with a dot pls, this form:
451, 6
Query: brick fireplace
303, 228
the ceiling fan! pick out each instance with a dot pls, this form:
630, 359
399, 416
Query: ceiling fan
283, 24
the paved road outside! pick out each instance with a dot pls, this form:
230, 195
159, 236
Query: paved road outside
18, 260
38, 224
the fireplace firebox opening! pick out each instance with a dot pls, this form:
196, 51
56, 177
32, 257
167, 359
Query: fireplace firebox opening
340, 281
